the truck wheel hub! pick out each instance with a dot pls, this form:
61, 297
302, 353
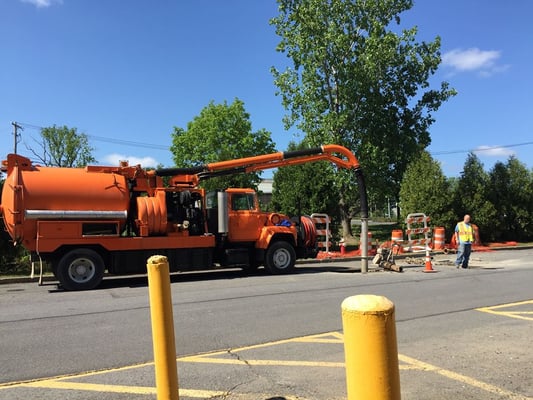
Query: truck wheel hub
81, 270
282, 258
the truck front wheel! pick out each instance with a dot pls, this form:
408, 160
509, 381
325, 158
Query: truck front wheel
80, 269
280, 258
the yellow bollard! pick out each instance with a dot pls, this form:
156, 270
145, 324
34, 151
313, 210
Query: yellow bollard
166, 372
371, 352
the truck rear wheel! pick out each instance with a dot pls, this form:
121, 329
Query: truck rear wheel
280, 258
80, 269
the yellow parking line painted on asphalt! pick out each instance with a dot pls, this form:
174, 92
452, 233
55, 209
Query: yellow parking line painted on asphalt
95, 387
497, 310
406, 363
318, 340
68, 376
520, 313
331, 337
464, 379
208, 359
280, 363
518, 303
268, 344
406, 367
338, 335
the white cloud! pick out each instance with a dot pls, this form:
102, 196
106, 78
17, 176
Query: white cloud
43, 3
145, 162
493, 151
474, 59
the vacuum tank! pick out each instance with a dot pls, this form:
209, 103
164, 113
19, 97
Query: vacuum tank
32, 193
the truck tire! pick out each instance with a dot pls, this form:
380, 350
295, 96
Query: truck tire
280, 258
80, 269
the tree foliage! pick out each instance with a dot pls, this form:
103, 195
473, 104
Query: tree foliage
358, 83
306, 188
221, 132
511, 193
472, 195
500, 202
63, 147
425, 189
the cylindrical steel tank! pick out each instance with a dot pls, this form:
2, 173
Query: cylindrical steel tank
152, 214
32, 193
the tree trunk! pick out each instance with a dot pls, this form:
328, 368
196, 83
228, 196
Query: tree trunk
346, 219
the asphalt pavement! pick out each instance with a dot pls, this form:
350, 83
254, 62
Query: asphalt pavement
480, 350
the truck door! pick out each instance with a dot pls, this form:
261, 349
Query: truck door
245, 219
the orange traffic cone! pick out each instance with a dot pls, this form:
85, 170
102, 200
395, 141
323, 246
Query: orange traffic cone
429, 267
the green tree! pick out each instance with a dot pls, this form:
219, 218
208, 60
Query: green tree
511, 186
306, 188
471, 196
221, 132
63, 147
425, 189
521, 186
500, 196
358, 83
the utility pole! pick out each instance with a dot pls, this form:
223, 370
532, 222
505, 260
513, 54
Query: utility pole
15, 135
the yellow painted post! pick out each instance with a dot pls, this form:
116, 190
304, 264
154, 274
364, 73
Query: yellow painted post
371, 352
166, 372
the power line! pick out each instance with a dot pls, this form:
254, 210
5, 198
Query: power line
489, 148
110, 140
128, 142
31, 126
161, 147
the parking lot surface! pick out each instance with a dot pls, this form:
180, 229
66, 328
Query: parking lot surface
470, 353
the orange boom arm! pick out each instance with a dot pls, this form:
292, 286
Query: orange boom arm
338, 155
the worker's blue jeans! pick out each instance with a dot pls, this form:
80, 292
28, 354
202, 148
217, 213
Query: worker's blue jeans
463, 255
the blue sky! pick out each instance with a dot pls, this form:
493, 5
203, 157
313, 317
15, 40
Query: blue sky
126, 72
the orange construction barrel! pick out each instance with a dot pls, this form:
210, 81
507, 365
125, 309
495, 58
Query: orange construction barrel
397, 235
438, 238
397, 239
369, 243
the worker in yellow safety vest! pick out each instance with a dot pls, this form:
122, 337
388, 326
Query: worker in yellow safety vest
464, 237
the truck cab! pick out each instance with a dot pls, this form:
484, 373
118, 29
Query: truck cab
250, 237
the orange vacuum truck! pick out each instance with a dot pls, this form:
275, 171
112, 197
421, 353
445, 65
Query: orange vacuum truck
83, 221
